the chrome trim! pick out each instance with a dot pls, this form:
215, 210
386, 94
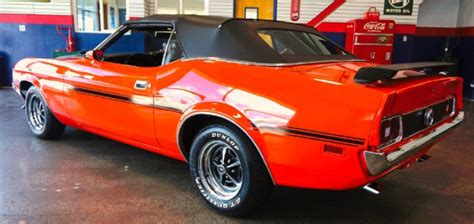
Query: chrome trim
165, 52
271, 64
368, 187
378, 162
227, 119
141, 84
215, 182
428, 117
17, 90
400, 133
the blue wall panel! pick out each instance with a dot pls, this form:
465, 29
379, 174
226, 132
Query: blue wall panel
87, 41
428, 48
41, 40
128, 43
403, 50
36, 41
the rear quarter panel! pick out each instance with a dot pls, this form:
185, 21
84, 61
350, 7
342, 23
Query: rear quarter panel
265, 101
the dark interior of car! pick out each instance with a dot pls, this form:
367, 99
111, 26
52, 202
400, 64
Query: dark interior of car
149, 59
150, 44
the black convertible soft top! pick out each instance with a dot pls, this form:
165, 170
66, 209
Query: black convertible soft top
232, 39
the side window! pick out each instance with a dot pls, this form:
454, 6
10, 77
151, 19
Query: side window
142, 46
173, 51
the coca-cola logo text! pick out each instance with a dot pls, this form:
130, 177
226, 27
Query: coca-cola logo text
374, 27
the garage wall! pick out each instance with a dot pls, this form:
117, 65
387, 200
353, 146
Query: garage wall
349, 10
423, 36
431, 10
334, 25
221, 8
38, 36
308, 9
439, 30
465, 51
136, 8
466, 13
54, 7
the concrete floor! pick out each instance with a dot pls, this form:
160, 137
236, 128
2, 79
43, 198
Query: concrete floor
84, 178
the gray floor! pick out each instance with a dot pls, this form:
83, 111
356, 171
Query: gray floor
84, 178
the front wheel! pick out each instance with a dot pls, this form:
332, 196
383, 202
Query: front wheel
227, 170
42, 122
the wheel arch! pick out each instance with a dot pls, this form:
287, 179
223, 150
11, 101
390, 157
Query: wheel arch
25, 84
193, 122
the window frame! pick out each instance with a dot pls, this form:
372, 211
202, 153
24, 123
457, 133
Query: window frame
101, 18
123, 29
165, 54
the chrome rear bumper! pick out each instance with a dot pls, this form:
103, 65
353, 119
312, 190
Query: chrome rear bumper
378, 162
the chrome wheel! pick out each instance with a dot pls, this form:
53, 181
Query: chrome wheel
36, 113
220, 170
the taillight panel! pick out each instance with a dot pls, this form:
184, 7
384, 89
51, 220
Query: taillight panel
391, 131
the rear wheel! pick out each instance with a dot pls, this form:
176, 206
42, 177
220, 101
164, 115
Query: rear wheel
228, 171
42, 122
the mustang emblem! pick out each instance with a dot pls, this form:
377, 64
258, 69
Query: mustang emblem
428, 117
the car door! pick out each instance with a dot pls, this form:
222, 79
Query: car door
112, 98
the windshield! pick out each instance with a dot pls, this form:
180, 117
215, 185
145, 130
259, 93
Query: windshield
290, 42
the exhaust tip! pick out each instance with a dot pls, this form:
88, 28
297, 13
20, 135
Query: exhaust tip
373, 188
424, 158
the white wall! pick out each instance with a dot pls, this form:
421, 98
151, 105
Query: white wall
136, 8
351, 9
221, 8
308, 9
55, 7
466, 13
438, 13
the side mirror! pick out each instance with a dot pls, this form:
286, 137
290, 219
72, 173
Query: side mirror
97, 55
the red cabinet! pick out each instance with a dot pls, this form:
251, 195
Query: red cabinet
371, 38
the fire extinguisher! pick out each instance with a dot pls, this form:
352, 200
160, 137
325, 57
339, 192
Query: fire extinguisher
295, 10
70, 42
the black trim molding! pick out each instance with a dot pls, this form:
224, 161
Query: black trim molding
125, 99
315, 135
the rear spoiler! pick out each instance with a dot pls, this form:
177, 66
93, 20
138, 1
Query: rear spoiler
386, 72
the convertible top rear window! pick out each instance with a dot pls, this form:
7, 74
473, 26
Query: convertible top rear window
291, 42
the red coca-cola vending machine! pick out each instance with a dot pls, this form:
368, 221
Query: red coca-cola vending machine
371, 38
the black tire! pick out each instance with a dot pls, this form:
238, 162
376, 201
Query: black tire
42, 122
256, 184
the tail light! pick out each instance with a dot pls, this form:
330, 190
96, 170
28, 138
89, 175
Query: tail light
391, 131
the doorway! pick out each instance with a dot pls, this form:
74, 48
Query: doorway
254, 9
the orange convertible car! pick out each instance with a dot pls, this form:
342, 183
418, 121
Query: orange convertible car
248, 104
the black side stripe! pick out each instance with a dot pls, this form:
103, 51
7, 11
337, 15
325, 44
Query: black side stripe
302, 133
103, 94
122, 98
168, 108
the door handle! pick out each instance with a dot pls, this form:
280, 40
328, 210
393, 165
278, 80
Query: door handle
141, 84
